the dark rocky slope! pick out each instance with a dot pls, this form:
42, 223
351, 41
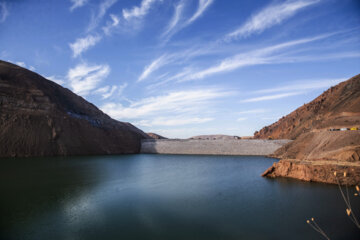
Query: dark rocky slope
40, 118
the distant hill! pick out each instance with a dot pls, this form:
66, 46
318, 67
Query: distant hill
337, 107
155, 136
41, 118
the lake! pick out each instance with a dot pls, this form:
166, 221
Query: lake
163, 197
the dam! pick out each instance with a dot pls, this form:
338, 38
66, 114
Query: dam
251, 147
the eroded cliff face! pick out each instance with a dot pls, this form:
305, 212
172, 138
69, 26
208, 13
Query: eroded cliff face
40, 118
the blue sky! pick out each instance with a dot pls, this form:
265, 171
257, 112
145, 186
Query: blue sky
187, 67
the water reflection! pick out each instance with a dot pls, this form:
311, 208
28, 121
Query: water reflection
162, 197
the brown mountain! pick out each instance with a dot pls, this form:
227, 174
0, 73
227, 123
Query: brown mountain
337, 107
317, 152
40, 118
155, 136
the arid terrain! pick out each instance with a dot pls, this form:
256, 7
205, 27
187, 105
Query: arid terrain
40, 118
318, 149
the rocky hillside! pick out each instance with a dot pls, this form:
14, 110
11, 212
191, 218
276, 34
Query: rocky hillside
339, 106
317, 152
40, 118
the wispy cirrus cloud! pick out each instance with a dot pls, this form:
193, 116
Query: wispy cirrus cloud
271, 15
109, 91
83, 44
177, 102
4, 12
153, 66
138, 12
103, 8
175, 19
267, 55
203, 5
77, 4
111, 25
253, 111
84, 78
175, 25
304, 85
174, 121
271, 97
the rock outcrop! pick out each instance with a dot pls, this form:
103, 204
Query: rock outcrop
155, 136
317, 152
40, 118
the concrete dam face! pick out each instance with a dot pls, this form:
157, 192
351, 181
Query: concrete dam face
255, 147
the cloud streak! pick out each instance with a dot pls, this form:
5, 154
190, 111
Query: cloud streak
271, 97
266, 55
84, 78
203, 5
138, 12
156, 64
304, 85
83, 44
103, 8
178, 102
77, 4
4, 12
175, 25
270, 16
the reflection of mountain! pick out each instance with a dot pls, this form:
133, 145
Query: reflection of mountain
40, 118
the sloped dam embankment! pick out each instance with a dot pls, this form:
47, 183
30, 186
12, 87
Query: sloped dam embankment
255, 147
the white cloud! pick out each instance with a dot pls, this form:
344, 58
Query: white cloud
253, 111
255, 57
304, 85
77, 4
241, 119
175, 121
56, 79
138, 11
271, 97
107, 91
103, 7
174, 25
203, 5
4, 12
273, 14
110, 25
83, 44
156, 64
172, 103
175, 19
32, 68
84, 78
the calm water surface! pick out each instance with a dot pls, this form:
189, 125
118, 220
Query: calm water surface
163, 197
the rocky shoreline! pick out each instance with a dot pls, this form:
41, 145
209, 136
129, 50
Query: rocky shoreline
316, 171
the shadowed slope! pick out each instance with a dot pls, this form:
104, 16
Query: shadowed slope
40, 118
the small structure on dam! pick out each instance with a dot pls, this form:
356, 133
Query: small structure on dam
256, 147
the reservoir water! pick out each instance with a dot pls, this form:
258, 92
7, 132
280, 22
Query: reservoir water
163, 197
